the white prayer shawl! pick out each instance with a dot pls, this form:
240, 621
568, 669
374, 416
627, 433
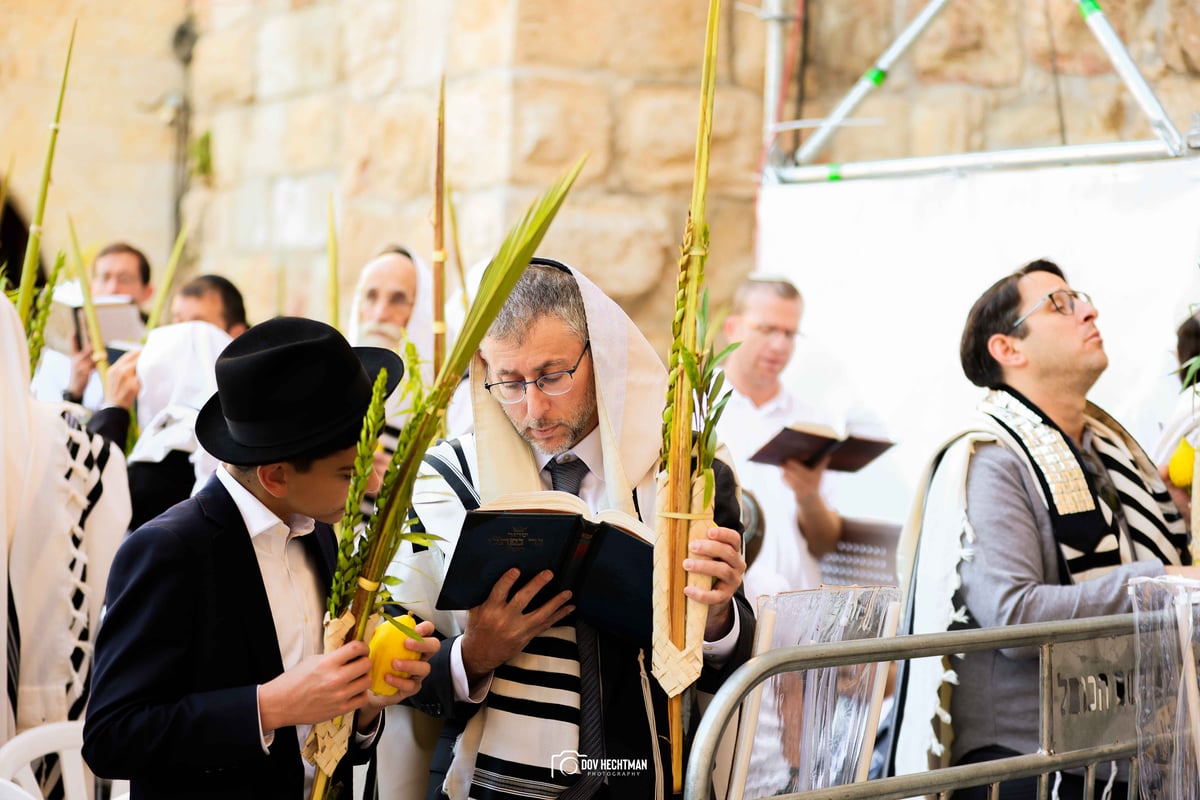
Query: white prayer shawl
937, 537
631, 392
177, 368
63, 513
419, 331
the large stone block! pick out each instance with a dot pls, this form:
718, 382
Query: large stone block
947, 120
1029, 122
482, 35
312, 130
845, 39
656, 137
628, 37
1059, 28
1179, 95
744, 36
479, 129
388, 147
298, 52
262, 153
300, 211
977, 43
622, 242
555, 122
227, 141
248, 221
217, 15
223, 67
883, 132
1181, 45
390, 44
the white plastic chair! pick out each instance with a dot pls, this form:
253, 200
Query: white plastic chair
63, 738
10, 791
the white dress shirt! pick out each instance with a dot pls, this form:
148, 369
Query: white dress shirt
293, 587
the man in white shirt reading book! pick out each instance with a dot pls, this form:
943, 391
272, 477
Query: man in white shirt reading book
119, 269
567, 394
800, 525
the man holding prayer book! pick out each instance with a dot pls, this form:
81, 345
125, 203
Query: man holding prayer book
800, 525
568, 395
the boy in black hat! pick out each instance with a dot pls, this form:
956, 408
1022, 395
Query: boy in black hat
209, 668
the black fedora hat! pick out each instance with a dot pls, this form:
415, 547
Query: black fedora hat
289, 386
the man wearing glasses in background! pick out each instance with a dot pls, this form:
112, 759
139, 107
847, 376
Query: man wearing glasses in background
800, 526
1043, 511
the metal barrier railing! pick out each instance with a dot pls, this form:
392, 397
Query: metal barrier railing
1109, 646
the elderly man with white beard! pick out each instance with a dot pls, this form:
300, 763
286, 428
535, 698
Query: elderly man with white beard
393, 305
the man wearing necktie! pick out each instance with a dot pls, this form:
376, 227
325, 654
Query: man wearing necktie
568, 395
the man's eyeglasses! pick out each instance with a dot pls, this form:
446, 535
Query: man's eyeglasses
552, 384
1061, 300
771, 331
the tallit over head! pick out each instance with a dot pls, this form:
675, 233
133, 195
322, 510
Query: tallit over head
177, 369
631, 388
419, 329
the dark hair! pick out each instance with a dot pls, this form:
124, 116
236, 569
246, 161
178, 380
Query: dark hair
1187, 343
995, 312
233, 308
121, 248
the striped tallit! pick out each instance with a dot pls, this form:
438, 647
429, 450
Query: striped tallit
1106, 500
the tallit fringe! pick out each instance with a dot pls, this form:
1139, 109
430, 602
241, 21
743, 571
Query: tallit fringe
648, 700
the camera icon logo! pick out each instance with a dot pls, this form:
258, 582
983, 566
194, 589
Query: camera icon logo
566, 762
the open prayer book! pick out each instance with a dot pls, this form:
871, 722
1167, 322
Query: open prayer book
121, 325
606, 559
809, 443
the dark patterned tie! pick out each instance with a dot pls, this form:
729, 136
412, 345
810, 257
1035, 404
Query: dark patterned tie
567, 476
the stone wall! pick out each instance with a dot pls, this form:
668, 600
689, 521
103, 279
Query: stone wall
302, 100
983, 76
305, 100
114, 167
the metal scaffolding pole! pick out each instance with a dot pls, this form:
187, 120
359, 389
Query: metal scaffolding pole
1001, 159
773, 15
1102, 29
872, 78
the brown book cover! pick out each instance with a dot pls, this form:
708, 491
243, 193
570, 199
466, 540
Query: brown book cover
605, 561
808, 444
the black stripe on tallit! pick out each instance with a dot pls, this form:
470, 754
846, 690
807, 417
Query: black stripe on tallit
14, 650
533, 709
553, 647
1089, 561
532, 677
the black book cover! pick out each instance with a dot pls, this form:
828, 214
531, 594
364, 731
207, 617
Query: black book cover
608, 570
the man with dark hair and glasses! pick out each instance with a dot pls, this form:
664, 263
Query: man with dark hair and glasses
567, 395
1042, 511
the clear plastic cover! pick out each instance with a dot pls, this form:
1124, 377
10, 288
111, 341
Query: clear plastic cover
815, 729
1167, 695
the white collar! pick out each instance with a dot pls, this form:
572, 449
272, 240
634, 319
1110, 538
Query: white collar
589, 450
258, 518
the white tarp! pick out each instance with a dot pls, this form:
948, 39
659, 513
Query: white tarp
889, 269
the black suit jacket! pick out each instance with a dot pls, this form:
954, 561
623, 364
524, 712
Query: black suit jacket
187, 638
627, 731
